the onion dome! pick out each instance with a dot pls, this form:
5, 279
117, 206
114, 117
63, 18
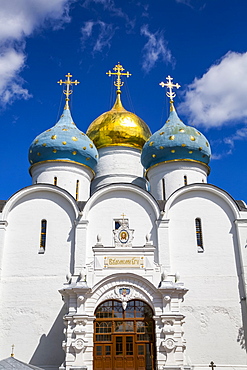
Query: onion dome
175, 142
118, 127
64, 141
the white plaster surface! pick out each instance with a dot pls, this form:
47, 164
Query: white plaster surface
168, 177
198, 299
118, 164
67, 175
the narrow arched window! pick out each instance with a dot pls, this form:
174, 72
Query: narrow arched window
185, 180
43, 236
55, 181
77, 190
164, 189
199, 240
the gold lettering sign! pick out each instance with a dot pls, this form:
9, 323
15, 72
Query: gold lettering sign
116, 261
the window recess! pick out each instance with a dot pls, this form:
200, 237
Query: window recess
199, 239
42, 237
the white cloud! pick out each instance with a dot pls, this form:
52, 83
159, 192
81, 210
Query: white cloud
196, 4
155, 49
18, 19
11, 62
219, 96
87, 29
108, 5
104, 35
240, 134
186, 2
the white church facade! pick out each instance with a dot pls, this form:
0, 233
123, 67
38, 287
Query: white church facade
120, 255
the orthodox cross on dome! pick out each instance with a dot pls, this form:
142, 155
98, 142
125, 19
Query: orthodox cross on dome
171, 94
212, 365
67, 92
12, 352
118, 72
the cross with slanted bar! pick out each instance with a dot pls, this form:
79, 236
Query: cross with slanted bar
212, 365
119, 72
171, 94
68, 91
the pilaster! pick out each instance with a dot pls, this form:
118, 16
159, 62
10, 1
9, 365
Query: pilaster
80, 246
169, 332
3, 228
163, 239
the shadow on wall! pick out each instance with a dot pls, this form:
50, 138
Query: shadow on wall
242, 333
240, 338
49, 352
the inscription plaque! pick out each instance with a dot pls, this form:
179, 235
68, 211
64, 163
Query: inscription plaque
117, 261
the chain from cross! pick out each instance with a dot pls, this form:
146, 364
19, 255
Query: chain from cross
212, 365
171, 94
119, 72
67, 83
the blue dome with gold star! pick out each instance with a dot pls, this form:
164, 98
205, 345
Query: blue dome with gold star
175, 141
64, 142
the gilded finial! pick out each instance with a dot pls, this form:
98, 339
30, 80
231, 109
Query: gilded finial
171, 94
67, 92
118, 72
12, 353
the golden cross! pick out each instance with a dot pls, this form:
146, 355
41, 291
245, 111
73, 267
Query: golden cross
119, 72
212, 365
171, 94
12, 354
68, 91
123, 215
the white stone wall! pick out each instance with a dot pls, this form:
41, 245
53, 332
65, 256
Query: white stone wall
31, 309
67, 175
111, 203
213, 324
118, 164
166, 178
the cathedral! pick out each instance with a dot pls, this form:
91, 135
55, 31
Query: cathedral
120, 255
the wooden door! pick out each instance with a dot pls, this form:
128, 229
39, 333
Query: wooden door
103, 356
144, 356
124, 339
124, 354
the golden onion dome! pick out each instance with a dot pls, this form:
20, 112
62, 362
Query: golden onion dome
118, 127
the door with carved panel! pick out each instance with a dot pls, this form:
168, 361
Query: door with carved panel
124, 339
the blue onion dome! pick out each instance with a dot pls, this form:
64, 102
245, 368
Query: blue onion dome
64, 142
175, 141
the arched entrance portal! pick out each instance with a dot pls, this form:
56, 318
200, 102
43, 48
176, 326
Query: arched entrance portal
124, 339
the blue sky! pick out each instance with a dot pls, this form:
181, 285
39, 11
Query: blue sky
200, 43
